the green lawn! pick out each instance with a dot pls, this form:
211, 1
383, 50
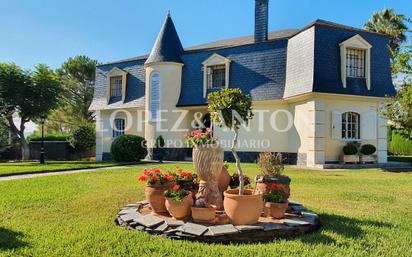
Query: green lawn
364, 213
15, 168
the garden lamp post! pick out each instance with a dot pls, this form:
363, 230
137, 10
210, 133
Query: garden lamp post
42, 120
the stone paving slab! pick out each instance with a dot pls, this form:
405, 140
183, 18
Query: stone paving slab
137, 217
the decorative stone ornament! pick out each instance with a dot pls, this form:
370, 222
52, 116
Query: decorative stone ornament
208, 162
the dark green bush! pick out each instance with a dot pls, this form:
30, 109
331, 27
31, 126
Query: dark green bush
83, 136
350, 149
128, 148
160, 142
368, 149
48, 137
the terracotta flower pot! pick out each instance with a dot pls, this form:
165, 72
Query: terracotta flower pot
208, 162
206, 215
262, 186
155, 198
224, 180
276, 210
243, 209
179, 210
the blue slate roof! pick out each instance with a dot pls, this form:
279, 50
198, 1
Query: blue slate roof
259, 69
167, 47
327, 76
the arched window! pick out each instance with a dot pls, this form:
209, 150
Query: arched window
350, 125
154, 96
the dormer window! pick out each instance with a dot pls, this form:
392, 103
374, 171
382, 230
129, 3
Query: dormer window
355, 63
215, 73
355, 60
216, 77
116, 85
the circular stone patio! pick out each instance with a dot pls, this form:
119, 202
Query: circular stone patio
298, 221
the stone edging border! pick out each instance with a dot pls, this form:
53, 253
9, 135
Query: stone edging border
303, 221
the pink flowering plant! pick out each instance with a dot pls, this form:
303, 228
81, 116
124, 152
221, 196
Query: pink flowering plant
200, 137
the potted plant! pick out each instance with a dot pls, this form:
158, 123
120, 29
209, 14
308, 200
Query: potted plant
276, 202
178, 202
156, 183
271, 166
208, 162
185, 179
350, 153
367, 152
231, 108
203, 212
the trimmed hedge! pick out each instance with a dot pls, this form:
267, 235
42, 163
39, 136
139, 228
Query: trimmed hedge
49, 137
128, 148
350, 149
368, 149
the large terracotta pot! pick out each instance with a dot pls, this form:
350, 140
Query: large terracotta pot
243, 209
155, 197
263, 184
224, 179
276, 210
179, 210
205, 215
208, 162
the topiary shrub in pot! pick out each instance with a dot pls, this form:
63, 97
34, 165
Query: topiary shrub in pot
231, 108
128, 148
271, 168
350, 153
367, 152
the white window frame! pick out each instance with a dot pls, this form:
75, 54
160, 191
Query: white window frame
153, 115
116, 72
356, 42
116, 131
345, 125
214, 60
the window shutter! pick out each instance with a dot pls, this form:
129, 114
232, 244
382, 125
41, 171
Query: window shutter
368, 125
336, 125
154, 96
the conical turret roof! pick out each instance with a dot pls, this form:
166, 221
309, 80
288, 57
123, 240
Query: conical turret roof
167, 47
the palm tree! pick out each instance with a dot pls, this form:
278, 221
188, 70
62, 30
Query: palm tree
389, 23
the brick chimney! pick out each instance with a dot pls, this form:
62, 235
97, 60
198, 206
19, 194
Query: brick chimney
261, 20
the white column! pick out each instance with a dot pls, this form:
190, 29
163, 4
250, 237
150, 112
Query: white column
382, 147
99, 136
316, 135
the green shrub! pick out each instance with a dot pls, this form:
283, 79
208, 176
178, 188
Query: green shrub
399, 145
128, 148
48, 137
368, 149
350, 149
270, 164
160, 142
83, 136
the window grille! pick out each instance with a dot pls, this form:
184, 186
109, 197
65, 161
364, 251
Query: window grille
350, 125
216, 76
355, 63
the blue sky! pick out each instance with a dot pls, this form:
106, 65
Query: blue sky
50, 31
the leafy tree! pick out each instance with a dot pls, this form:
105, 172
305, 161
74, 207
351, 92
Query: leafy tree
389, 23
84, 136
232, 108
399, 110
28, 94
4, 133
395, 26
77, 76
